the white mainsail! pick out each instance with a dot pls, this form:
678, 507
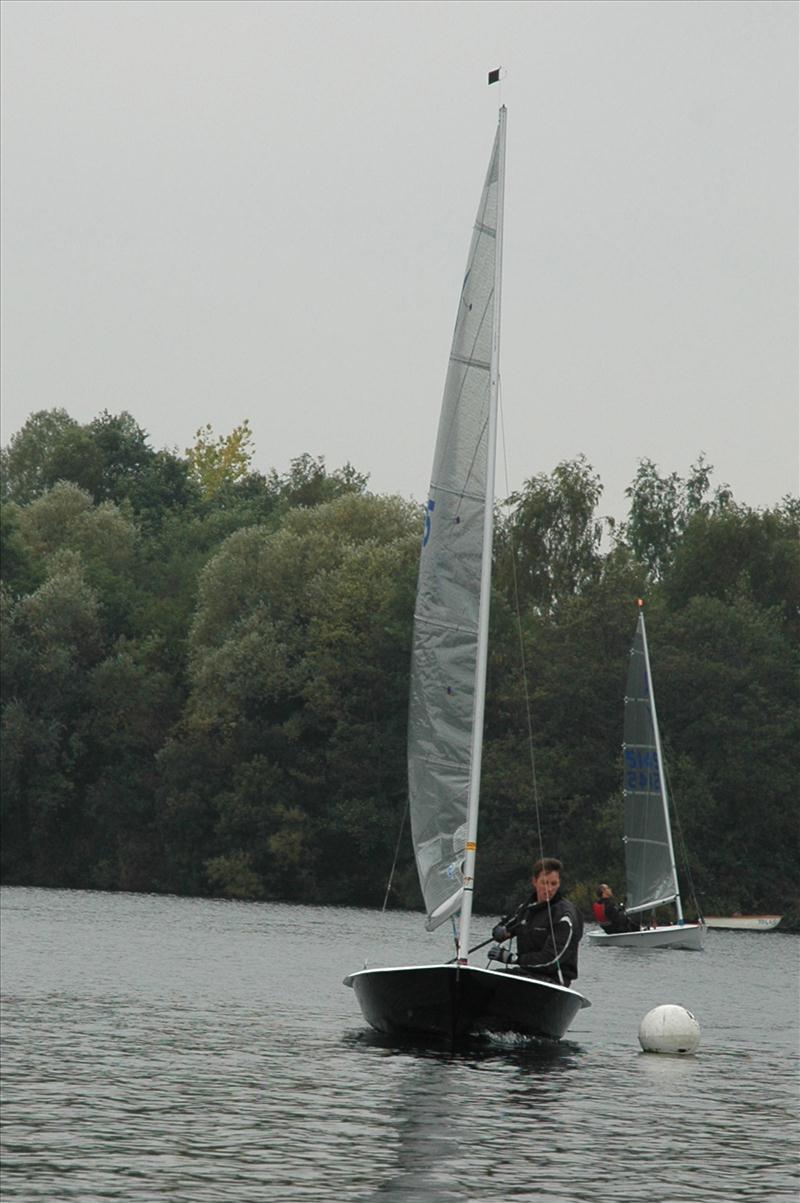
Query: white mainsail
649, 857
448, 686
452, 609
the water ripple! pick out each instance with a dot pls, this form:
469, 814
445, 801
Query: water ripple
178, 1054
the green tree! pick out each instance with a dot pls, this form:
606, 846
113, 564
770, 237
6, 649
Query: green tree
51, 640
724, 553
308, 483
548, 547
19, 570
103, 536
109, 459
662, 506
290, 626
25, 463
131, 702
215, 462
726, 674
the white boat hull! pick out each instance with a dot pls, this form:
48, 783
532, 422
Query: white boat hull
450, 1001
688, 936
744, 922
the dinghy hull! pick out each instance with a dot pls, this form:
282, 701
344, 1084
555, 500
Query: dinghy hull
451, 1001
688, 936
744, 922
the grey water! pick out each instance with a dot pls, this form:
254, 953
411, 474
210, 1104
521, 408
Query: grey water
162, 1048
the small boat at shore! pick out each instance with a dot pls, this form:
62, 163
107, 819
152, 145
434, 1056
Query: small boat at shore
744, 922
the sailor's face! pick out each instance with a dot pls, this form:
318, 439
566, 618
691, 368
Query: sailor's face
546, 885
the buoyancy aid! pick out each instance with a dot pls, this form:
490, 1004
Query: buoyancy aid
599, 909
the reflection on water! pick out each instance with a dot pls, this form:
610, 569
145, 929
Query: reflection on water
427, 1138
448, 1116
165, 1048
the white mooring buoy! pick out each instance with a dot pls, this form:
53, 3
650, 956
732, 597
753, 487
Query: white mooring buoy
669, 1029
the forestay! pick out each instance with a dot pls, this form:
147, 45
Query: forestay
649, 860
445, 654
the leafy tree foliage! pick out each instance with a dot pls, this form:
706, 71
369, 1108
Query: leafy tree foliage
26, 464
738, 551
131, 700
109, 458
661, 508
205, 674
297, 652
224, 460
731, 714
19, 572
308, 483
51, 640
549, 546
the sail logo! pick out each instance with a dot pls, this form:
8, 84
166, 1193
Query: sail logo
426, 534
641, 769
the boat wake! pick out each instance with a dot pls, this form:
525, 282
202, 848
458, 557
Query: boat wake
479, 1046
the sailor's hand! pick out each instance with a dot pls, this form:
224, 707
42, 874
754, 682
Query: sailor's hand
496, 953
500, 933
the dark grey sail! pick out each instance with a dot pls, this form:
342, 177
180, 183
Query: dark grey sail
649, 857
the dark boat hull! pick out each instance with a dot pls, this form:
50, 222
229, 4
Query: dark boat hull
451, 1001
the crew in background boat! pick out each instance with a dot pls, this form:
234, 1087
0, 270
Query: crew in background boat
547, 927
611, 915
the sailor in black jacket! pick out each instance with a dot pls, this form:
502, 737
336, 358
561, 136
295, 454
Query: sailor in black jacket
547, 927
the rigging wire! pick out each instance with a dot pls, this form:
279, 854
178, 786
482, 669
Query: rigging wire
396, 854
523, 666
521, 642
684, 849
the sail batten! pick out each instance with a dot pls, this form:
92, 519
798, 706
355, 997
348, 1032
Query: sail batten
471, 363
653, 902
447, 626
458, 493
446, 701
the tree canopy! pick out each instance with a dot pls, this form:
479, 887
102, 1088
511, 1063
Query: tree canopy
205, 673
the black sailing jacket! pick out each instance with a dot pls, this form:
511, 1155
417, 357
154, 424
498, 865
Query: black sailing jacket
545, 941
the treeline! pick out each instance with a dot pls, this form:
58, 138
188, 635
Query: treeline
205, 674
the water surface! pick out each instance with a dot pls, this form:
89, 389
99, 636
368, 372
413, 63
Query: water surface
161, 1048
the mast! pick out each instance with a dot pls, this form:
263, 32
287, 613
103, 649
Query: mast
476, 747
661, 781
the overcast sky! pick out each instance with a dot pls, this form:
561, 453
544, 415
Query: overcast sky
218, 211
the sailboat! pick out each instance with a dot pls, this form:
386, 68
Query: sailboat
652, 877
448, 684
